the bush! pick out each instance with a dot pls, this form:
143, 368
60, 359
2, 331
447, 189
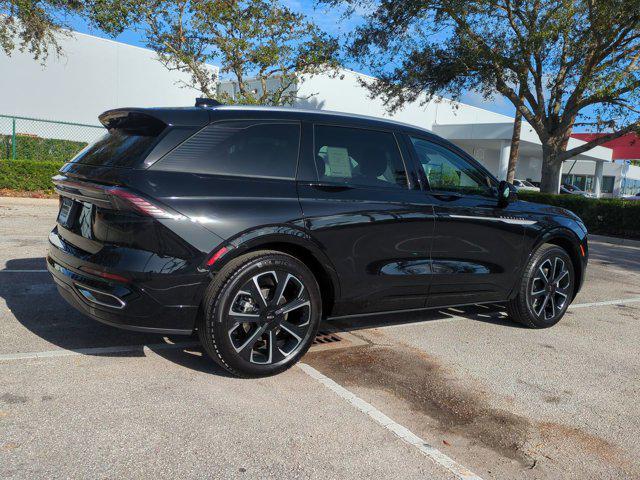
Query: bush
28, 175
36, 148
605, 216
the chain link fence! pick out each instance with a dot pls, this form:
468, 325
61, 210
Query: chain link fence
23, 138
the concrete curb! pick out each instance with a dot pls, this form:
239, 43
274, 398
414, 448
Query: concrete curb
626, 242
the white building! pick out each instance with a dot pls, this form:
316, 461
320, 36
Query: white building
93, 75
97, 74
619, 178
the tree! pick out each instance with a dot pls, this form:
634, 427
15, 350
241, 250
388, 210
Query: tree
33, 25
261, 45
515, 142
577, 61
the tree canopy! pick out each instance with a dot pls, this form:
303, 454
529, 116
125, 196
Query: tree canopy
574, 62
32, 25
261, 45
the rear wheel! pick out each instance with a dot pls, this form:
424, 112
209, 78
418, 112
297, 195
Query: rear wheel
261, 314
545, 290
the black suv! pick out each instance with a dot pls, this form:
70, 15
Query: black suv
250, 224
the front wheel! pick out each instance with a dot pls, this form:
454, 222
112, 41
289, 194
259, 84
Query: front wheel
545, 290
261, 314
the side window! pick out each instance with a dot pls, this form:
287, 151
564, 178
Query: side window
358, 157
243, 148
449, 172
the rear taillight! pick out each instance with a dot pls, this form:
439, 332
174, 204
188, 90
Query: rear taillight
137, 203
118, 198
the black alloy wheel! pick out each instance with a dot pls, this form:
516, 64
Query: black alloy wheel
545, 290
550, 288
262, 313
269, 317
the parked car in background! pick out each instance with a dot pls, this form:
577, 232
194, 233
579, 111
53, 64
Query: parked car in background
632, 197
250, 225
569, 189
525, 185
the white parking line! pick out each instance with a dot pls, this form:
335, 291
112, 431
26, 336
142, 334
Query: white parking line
606, 302
402, 432
95, 351
24, 271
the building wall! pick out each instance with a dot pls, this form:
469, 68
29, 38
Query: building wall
345, 93
626, 178
92, 76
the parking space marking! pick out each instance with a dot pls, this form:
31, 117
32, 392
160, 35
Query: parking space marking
95, 351
24, 271
400, 431
606, 302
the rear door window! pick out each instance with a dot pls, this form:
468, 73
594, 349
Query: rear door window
356, 156
256, 148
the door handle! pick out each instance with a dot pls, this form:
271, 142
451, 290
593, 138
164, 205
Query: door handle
447, 197
330, 187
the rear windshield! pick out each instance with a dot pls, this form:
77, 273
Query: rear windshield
118, 148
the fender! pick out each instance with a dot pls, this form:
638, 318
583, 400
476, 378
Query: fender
276, 236
564, 236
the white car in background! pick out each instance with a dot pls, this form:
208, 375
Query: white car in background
632, 197
525, 186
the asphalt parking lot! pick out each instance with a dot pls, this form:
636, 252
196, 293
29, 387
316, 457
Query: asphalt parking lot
456, 393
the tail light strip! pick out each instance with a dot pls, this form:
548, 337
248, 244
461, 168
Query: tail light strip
118, 198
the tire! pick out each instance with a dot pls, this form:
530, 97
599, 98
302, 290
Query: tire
245, 328
545, 290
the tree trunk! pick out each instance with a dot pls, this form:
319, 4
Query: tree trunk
551, 169
515, 146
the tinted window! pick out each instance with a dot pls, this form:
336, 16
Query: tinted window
607, 184
243, 148
358, 157
447, 171
118, 148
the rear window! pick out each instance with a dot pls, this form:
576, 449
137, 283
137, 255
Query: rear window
118, 148
253, 148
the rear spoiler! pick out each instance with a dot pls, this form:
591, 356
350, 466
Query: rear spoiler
155, 118
132, 122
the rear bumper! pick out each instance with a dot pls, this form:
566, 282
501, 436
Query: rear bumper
132, 305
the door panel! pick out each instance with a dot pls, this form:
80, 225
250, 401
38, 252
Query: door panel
379, 241
477, 246
476, 251
372, 221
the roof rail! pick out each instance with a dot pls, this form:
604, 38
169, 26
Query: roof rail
207, 102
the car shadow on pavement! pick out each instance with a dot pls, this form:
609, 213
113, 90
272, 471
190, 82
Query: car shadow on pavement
32, 298
490, 313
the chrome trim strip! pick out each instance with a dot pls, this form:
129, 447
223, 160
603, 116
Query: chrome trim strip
82, 288
511, 221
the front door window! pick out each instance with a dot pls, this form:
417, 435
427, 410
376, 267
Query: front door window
449, 172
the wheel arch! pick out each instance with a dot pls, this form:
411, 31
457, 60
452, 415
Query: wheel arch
569, 242
297, 244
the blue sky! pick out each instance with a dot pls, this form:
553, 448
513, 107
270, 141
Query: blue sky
331, 20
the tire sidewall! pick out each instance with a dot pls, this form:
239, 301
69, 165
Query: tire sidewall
531, 274
215, 317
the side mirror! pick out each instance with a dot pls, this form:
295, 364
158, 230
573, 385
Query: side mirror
505, 190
